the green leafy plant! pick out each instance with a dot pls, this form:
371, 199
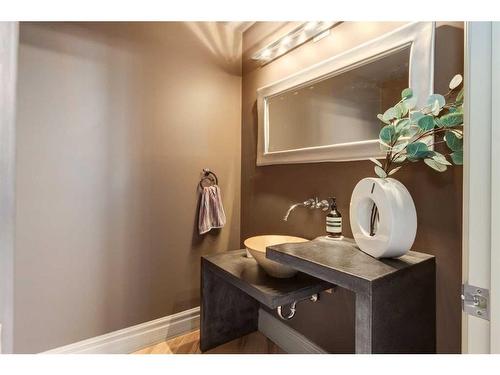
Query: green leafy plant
409, 134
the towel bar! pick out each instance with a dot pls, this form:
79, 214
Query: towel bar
210, 176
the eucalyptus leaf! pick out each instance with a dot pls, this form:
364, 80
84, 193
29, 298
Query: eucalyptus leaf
410, 131
381, 118
435, 108
453, 141
380, 172
400, 158
457, 157
410, 103
399, 147
440, 99
392, 171
452, 119
424, 154
407, 93
415, 116
426, 123
416, 149
435, 165
455, 81
390, 114
440, 158
377, 162
387, 134
401, 124
426, 110
383, 146
401, 110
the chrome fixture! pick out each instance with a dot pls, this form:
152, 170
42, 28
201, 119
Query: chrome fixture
293, 308
290, 315
298, 36
310, 203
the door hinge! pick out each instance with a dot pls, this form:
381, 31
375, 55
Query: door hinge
476, 301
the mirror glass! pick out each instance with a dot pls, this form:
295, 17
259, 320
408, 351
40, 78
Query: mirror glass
340, 108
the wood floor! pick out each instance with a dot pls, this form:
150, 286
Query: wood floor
254, 343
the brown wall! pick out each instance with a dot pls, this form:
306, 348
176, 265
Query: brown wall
268, 191
115, 122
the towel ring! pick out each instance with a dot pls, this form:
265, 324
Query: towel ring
208, 175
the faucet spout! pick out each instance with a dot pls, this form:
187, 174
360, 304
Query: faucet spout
311, 203
292, 207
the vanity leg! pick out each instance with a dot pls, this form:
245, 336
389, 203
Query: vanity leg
404, 311
363, 324
398, 315
227, 313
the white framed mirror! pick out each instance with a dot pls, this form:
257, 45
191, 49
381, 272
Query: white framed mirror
328, 112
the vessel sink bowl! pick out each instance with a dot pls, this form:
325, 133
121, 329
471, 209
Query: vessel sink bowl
257, 248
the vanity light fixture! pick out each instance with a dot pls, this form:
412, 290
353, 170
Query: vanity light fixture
315, 30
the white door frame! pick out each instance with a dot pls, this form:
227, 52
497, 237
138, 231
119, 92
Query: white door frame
481, 230
495, 191
8, 72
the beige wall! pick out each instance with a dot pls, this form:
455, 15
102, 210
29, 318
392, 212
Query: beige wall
268, 191
115, 122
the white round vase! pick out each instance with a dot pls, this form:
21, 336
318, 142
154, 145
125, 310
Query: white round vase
397, 221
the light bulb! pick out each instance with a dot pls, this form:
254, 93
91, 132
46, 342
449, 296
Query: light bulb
310, 25
265, 54
286, 40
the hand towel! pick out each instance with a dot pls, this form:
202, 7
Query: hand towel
211, 214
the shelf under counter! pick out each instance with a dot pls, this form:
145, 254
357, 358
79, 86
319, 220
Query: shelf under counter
247, 275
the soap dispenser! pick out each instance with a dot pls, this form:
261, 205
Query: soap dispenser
334, 221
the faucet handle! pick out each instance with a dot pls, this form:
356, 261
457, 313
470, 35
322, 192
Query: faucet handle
324, 205
311, 203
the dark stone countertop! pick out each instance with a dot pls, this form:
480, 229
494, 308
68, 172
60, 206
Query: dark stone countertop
342, 262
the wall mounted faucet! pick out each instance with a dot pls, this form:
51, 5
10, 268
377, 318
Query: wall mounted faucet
310, 203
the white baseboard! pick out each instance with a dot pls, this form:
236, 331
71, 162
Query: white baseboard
133, 338
286, 337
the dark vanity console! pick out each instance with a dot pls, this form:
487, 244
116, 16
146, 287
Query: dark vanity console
395, 298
